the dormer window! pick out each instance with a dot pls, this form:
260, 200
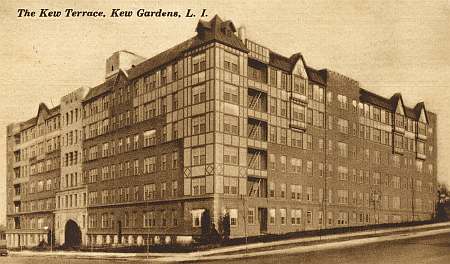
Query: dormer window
112, 67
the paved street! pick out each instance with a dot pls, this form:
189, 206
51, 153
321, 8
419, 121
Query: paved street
431, 249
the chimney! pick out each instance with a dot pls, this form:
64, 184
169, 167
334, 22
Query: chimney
241, 33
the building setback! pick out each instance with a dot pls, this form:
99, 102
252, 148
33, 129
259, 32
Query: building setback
224, 124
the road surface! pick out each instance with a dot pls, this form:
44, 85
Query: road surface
430, 249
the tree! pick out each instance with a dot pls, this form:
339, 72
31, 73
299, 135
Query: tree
442, 202
226, 226
206, 224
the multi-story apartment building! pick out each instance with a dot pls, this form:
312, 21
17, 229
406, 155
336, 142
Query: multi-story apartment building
71, 198
224, 124
33, 171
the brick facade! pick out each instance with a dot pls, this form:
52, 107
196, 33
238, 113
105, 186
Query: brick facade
223, 124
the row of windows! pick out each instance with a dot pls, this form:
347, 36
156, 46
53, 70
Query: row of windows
133, 168
150, 218
136, 193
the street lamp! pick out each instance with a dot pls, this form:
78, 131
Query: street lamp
51, 234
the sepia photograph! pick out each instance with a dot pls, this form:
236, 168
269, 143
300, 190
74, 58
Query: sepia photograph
225, 131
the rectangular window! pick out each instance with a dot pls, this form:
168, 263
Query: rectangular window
231, 62
198, 156
230, 155
230, 93
231, 124
271, 216
198, 63
199, 125
198, 94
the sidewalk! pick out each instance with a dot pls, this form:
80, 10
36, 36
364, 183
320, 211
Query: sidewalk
370, 235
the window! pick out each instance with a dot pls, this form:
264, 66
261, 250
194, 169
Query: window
309, 217
198, 156
296, 139
198, 186
175, 72
230, 93
273, 77
233, 217
136, 142
199, 63
342, 125
300, 85
149, 164
419, 165
309, 141
175, 160
342, 99
272, 134
283, 190
271, 189
198, 94
196, 217
149, 219
296, 216
198, 125
271, 216
309, 167
343, 149
163, 190
283, 163
230, 185
283, 107
298, 112
231, 62
136, 167
342, 196
163, 162
309, 193
283, 216
273, 105
343, 173
149, 191
231, 124
283, 136
230, 155
251, 216
296, 192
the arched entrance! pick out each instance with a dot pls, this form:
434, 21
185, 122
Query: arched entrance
72, 236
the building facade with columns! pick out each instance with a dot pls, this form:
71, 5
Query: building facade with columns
221, 123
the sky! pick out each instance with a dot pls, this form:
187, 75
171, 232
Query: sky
388, 46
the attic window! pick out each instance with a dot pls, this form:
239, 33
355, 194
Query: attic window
112, 67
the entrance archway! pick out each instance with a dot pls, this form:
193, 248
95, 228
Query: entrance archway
72, 236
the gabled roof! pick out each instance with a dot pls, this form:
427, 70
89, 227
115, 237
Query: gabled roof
279, 61
41, 109
208, 31
221, 31
100, 89
390, 103
418, 109
375, 99
315, 75
161, 59
287, 64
